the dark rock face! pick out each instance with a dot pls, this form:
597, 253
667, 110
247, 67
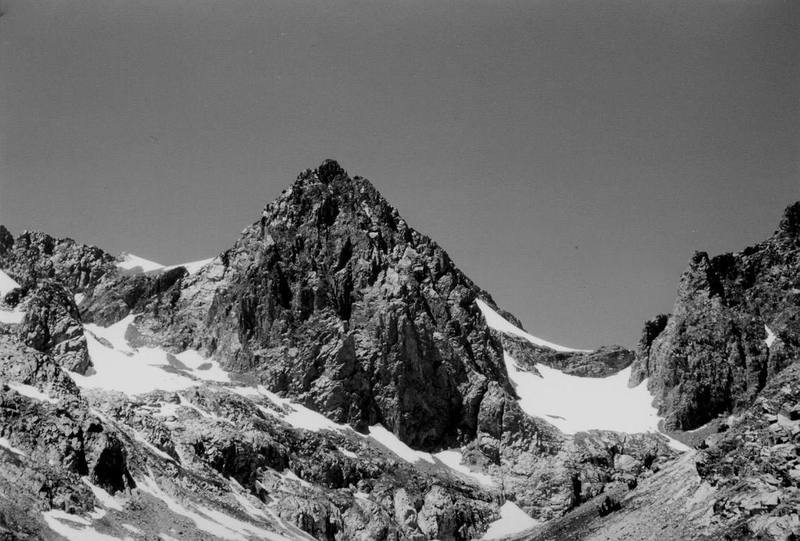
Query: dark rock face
52, 325
602, 362
710, 356
332, 298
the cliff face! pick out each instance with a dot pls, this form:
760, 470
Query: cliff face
735, 325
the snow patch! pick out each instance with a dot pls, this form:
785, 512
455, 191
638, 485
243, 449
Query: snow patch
289, 475
32, 392
78, 298
133, 529
499, 323
513, 520
347, 453
120, 367
7, 445
107, 500
393, 443
770, 337
7, 284
14, 317
453, 460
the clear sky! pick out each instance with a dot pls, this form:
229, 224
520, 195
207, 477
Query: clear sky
570, 155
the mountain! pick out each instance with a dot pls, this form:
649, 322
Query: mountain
334, 375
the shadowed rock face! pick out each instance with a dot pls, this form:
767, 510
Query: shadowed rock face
711, 355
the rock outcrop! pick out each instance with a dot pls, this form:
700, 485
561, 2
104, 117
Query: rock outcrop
735, 326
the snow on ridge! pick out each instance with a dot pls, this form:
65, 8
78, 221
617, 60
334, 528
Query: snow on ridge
134, 263
131, 262
499, 323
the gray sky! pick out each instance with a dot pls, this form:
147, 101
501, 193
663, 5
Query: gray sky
568, 154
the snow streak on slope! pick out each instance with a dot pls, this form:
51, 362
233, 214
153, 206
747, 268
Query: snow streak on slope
32, 392
574, 404
453, 460
8, 284
770, 337
393, 443
499, 323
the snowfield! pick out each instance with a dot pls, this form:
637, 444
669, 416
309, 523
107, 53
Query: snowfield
575, 404
118, 366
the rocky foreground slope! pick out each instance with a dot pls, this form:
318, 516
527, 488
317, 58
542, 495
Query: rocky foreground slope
332, 375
